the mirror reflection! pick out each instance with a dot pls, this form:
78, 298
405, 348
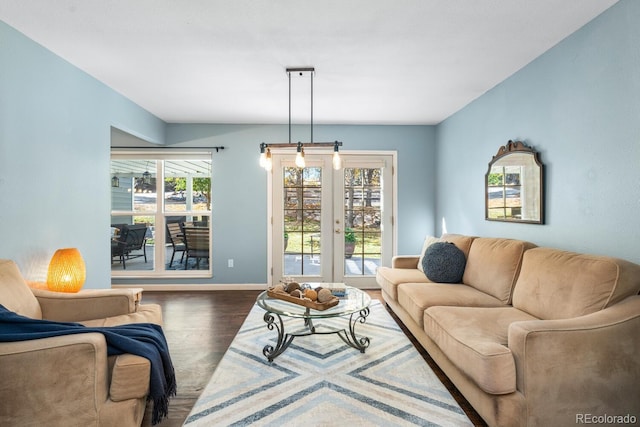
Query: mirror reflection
514, 185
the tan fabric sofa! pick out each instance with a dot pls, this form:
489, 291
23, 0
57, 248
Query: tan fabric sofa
69, 380
532, 336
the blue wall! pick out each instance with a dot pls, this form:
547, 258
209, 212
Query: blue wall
579, 105
240, 186
54, 157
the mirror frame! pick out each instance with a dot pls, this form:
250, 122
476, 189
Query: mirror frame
511, 148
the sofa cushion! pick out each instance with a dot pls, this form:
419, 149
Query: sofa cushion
416, 297
493, 265
15, 294
428, 241
460, 240
555, 284
389, 279
443, 262
475, 340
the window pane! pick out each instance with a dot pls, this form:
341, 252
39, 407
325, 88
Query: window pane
132, 243
145, 196
302, 220
183, 177
311, 220
186, 248
362, 208
122, 194
133, 185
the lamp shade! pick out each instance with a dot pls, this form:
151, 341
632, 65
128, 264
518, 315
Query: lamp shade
67, 271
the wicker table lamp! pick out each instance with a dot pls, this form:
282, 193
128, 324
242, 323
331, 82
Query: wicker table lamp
67, 271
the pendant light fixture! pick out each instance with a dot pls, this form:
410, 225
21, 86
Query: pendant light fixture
146, 177
337, 161
265, 148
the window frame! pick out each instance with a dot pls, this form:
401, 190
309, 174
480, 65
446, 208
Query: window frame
160, 214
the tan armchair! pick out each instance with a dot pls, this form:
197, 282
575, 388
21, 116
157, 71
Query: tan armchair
69, 380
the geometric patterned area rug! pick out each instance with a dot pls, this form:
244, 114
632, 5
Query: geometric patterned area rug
320, 381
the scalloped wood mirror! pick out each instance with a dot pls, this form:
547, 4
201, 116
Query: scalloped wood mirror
514, 185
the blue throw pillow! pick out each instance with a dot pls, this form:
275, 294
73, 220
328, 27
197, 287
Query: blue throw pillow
443, 262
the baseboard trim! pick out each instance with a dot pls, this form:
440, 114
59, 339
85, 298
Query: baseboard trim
191, 288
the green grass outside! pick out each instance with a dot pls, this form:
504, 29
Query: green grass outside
295, 243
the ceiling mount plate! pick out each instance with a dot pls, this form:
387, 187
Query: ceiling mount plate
300, 71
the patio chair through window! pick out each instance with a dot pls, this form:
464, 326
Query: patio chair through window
175, 237
132, 239
196, 240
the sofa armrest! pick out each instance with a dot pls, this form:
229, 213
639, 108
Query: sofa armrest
130, 378
584, 365
53, 380
87, 304
405, 261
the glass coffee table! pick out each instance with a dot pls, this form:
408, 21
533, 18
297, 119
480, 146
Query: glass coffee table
354, 304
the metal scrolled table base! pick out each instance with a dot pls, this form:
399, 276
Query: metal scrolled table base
285, 338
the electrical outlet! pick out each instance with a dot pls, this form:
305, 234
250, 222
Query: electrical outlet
230, 263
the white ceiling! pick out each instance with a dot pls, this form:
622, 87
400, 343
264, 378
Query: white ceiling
376, 61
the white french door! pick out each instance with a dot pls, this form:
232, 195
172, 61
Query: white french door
331, 225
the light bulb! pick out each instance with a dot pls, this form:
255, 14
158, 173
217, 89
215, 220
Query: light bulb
268, 163
337, 161
300, 158
263, 160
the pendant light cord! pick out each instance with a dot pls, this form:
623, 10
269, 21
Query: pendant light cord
311, 109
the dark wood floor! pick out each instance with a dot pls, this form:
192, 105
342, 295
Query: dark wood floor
200, 326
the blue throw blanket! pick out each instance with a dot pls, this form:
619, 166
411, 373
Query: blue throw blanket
142, 339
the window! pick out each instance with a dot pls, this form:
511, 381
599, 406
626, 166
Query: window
160, 214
